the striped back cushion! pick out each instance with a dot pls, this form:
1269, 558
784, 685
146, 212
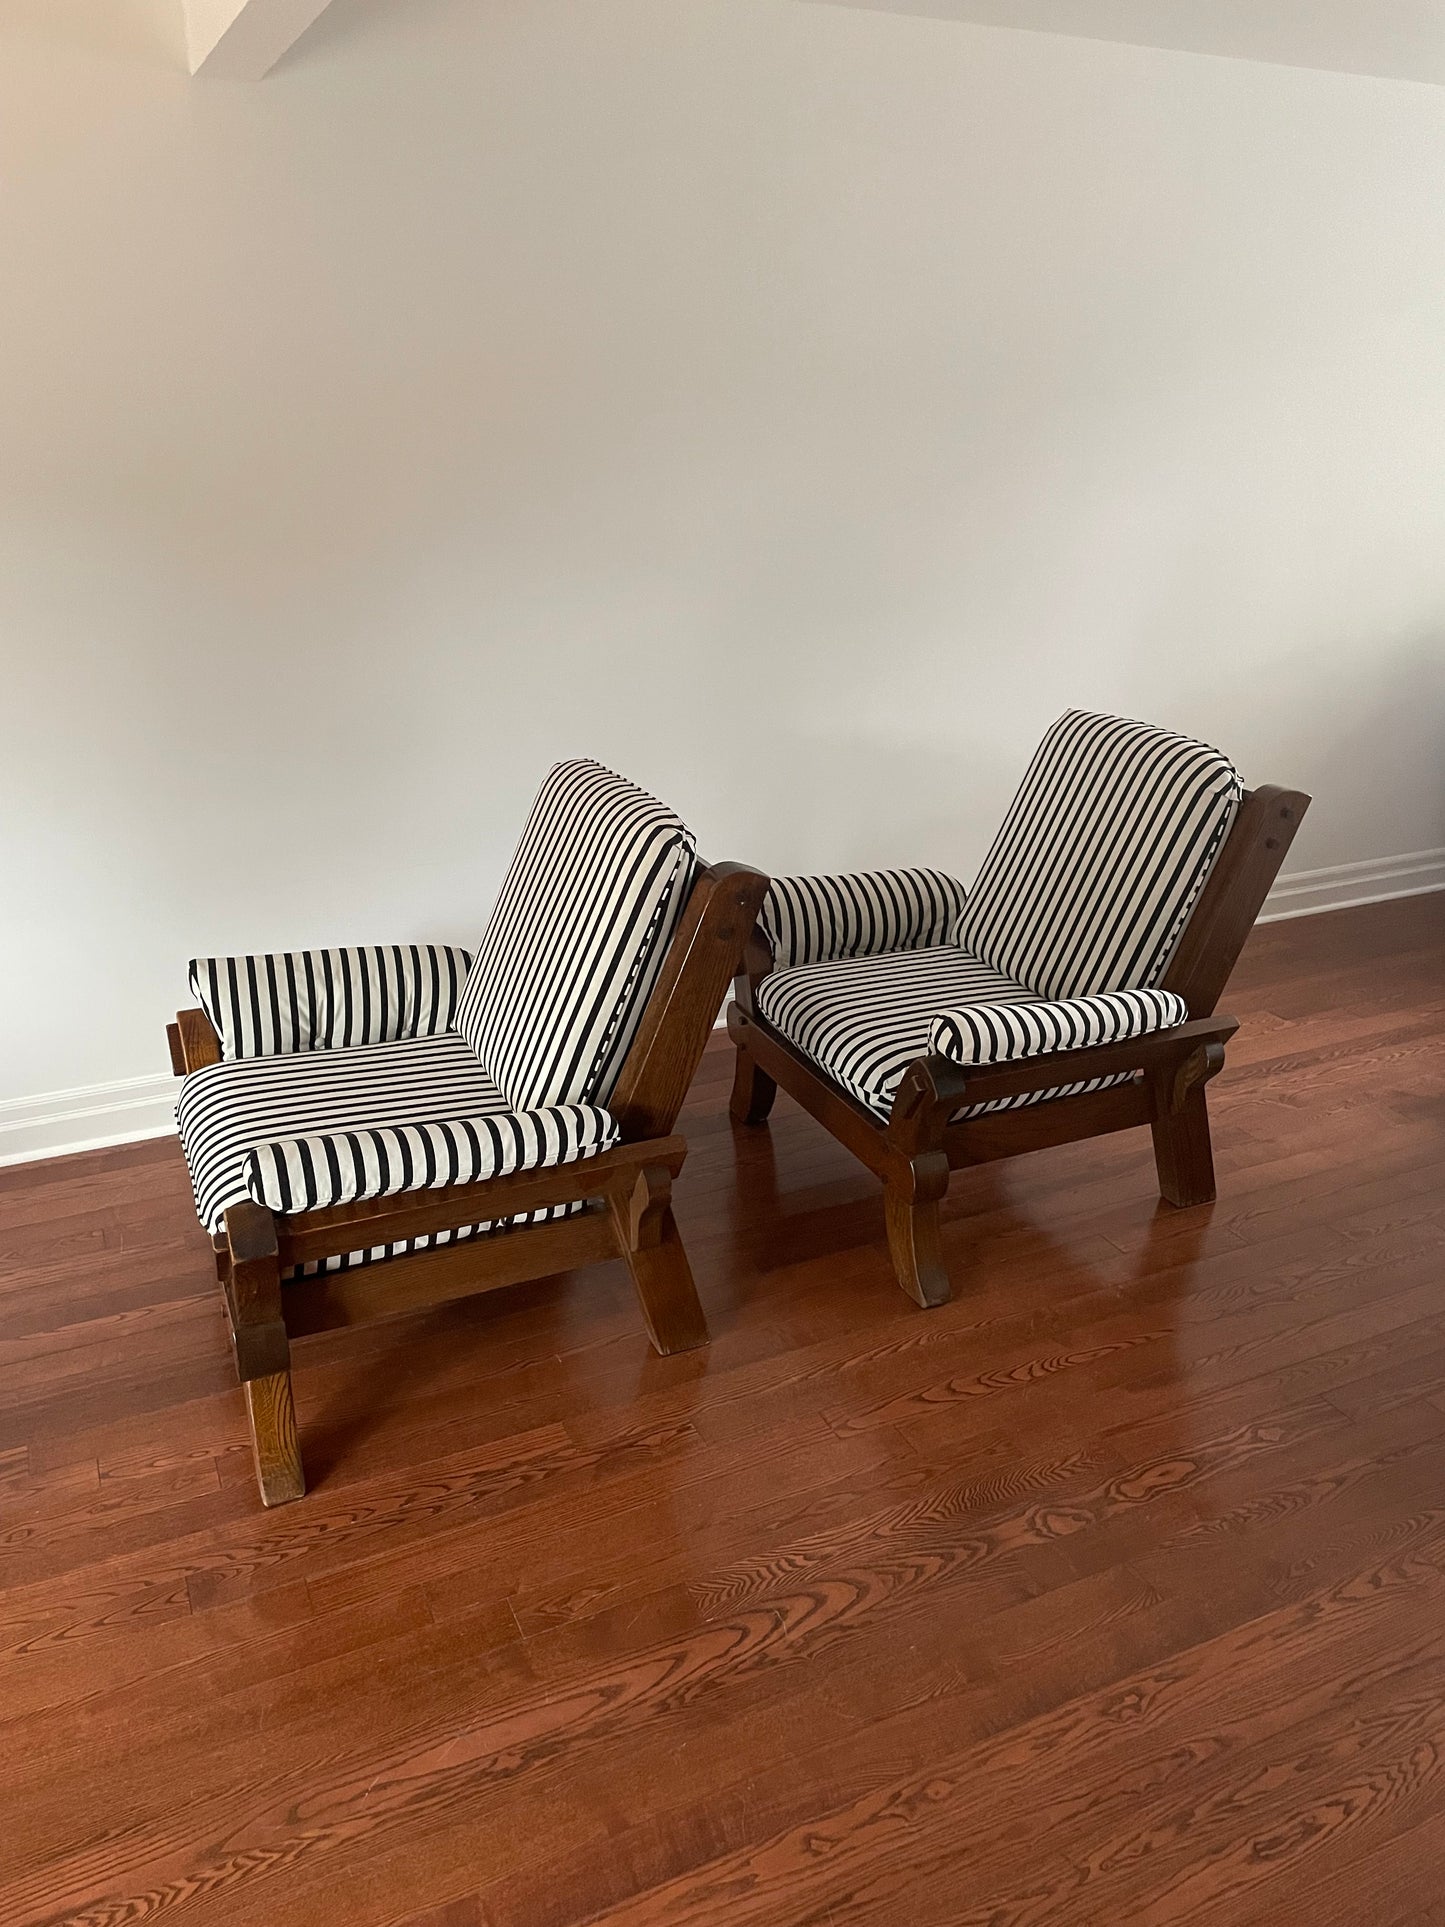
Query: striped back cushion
329, 999
1100, 858
577, 937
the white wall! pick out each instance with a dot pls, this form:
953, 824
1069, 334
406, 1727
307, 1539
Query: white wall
795, 407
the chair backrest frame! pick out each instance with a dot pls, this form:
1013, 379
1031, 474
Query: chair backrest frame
705, 952
1233, 895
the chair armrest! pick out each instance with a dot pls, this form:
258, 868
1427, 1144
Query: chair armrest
344, 1167
811, 920
1004, 1033
193, 1042
272, 1005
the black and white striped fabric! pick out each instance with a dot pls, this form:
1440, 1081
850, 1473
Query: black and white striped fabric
813, 919
579, 932
228, 1110
1001, 1033
340, 1167
310, 1000
1108, 842
864, 1020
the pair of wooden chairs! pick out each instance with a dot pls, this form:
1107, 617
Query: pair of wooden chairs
375, 1130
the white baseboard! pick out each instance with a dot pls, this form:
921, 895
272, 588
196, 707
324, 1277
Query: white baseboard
1343, 885
59, 1122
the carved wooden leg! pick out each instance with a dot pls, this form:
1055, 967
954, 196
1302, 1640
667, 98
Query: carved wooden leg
753, 1092
929, 1092
1182, 1149
915, 1237
272, 1413
1183, 1153
653, 1248
263, 1351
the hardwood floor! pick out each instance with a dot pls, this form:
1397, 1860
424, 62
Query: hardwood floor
1113, 1592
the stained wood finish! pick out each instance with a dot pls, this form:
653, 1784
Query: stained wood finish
1183, 1150
705, 951
1233, 895
193, 1042
648, 1236
925, 1137
271, 1414
353, 1227
624, 1193
915, 1176
332, 1300
1112, 1592
753, 1091
251, 1286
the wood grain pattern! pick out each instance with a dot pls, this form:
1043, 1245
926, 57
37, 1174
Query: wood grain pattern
271, 1410
193, 1042
1112, 1591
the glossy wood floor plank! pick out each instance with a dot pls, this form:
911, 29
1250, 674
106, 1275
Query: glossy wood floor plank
1112, 1591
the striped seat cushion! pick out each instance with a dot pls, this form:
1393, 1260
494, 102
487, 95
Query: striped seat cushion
306, 1000
229, 1110
1004, 1033
579, 931
864, 1020
343, 1167
1104, 849
812, 919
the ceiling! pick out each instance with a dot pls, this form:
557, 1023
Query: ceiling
1392, 39
1396, 39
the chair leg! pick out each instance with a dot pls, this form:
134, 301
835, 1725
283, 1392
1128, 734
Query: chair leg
271, 1412
653, 1248
1183, 1152
915, 1235
753, 1091
928, 1093
252, 1286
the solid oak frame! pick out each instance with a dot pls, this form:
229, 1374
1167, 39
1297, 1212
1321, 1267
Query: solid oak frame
626, 1194
924, 1140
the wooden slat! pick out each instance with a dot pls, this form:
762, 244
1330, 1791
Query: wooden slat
341, 1298
308, 1235
1064, 1120
980, 1140
1159, 1049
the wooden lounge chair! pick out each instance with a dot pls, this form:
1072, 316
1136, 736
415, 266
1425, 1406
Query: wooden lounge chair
1072, 992
369, 1131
